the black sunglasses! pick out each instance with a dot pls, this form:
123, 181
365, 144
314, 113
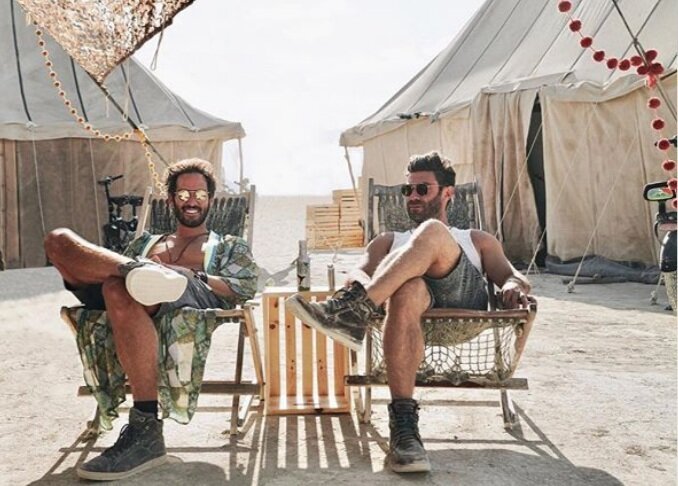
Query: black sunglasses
421, 188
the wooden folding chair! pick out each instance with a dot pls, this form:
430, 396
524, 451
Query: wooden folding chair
230, 214
463, 348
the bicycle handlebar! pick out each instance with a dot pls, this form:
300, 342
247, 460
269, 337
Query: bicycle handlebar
108, 179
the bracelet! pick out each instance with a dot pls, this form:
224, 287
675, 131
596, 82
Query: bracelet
200, 275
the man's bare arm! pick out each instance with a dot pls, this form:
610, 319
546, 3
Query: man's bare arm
375, 252
514, 285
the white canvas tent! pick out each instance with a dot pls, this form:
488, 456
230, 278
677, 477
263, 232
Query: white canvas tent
48, 165
552, 136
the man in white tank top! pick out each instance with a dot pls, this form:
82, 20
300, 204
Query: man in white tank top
433, 265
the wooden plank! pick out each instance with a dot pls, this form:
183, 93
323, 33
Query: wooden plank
321, 292
208, 386
273, 347
309, 405
290, 354
321, 363
315, 212
510, 384
340, 365
307, 360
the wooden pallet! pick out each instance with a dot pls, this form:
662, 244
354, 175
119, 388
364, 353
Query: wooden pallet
304, 369
336, 225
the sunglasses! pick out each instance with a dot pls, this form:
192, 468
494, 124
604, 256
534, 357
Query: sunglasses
200, 195
422, 188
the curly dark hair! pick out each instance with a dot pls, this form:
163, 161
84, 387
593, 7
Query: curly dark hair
190, 166
433, 162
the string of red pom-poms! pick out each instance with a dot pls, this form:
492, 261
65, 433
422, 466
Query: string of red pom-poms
646, 65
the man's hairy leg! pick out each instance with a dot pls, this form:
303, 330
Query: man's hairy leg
79, 261
431, 250
135, 337
403, 337
136, 342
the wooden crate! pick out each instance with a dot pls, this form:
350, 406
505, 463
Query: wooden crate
304, 369
336, 225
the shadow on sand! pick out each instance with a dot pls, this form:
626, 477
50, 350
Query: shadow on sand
317, 449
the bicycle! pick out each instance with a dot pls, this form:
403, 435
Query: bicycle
119, 232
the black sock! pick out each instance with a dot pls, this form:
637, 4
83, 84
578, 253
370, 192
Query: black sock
150, 406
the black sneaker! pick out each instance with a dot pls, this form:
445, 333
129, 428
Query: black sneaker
407, 453
139, 448
343, 318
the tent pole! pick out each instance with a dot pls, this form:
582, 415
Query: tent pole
3, 207
641, 51
240, 161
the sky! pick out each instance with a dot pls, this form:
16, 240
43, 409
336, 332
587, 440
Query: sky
296, 73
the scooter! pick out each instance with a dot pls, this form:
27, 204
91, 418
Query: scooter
660, 192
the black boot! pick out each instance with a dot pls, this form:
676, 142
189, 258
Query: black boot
406, 453
344, 317
140, 447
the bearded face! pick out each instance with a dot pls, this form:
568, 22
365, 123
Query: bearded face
420, 210
426, 199
191, 215
191, 203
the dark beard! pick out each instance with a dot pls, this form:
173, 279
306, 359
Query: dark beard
191, 223
430, 210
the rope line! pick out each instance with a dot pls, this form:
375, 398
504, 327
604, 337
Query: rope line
94, 188
570, 165
37, 183
570, 286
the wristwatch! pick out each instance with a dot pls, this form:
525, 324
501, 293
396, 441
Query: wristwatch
200, 275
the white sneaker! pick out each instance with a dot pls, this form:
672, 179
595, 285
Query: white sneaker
153, 284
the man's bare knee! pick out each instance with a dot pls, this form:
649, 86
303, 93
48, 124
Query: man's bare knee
115, 295
411, 299
431, 228
57, 240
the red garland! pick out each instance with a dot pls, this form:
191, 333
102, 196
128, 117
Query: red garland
644, 67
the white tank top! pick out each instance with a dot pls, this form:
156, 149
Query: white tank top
462, 237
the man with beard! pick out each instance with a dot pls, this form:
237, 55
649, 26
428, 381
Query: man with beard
156, 274
432, 266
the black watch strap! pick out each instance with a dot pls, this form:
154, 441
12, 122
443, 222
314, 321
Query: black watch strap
201, 275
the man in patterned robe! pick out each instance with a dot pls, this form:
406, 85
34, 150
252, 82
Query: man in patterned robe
156, 275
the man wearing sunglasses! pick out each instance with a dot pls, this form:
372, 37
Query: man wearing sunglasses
157, 274
434, 265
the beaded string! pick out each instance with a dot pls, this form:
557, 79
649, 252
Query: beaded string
646, 65
140, 133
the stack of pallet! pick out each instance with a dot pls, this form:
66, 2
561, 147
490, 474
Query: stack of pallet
322, 226
349, 217
336, 225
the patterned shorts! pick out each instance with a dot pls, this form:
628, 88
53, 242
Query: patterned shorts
197, 295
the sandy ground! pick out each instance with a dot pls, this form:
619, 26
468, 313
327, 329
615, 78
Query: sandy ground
601, 408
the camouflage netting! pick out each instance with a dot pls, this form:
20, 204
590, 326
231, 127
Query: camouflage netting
100, 34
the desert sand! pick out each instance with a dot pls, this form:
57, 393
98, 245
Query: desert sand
600, 409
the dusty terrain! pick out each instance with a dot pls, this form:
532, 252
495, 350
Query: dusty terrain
601, 408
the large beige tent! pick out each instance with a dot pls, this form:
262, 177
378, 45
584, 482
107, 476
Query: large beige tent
49, 166
554, 138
